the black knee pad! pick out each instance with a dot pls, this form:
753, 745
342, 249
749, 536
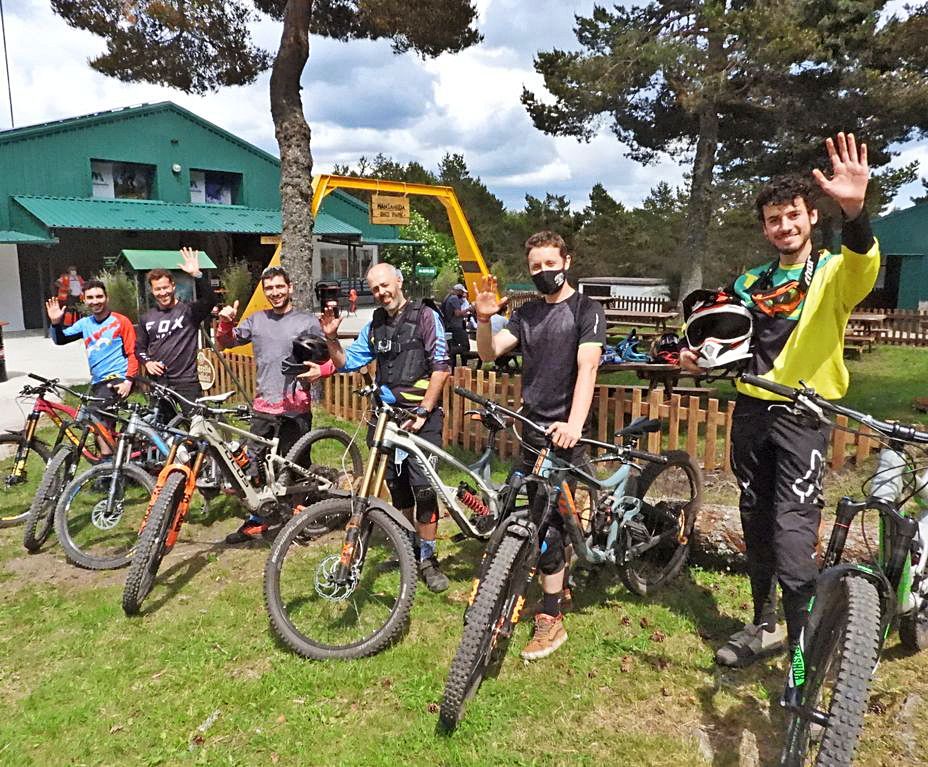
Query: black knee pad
426, 505
552, 558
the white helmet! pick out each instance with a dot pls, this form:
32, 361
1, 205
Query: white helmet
717, 327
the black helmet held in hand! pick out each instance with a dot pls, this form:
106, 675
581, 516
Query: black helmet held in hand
306, 348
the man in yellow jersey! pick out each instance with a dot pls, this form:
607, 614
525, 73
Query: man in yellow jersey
800, 305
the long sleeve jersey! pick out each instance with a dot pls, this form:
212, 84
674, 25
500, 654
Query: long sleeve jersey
169, 335
808, 345
110, 345
272, 336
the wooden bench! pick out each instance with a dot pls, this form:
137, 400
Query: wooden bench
858, 342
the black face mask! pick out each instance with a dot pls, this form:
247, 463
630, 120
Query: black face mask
549, 281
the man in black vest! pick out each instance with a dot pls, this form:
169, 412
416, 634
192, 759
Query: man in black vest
407, 340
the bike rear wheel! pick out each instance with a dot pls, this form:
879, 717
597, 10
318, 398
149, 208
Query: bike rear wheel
41, 514
152, 543
671, 495
14, 513
840, 659
318, 617
332, 455
94, 533
487, 628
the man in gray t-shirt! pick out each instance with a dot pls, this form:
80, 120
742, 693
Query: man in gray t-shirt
282, 403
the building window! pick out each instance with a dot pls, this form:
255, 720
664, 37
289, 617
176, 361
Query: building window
881, 275
122, 180
215, 187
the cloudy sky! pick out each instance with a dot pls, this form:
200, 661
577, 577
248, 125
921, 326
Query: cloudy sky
361, 99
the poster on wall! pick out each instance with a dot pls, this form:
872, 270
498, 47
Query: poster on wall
132, 182
197, 186
101, 174
218, 191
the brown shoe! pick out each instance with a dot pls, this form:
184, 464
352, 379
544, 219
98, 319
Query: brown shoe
548, 636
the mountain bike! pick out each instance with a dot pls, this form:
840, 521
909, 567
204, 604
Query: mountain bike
63, 463
855, 605
267, 483
99, 513
345, 591
640, 520
25, 453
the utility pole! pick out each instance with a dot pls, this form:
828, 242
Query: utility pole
6, 65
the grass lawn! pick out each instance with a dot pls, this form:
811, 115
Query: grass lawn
199, 679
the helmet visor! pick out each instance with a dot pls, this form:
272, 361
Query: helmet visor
723, 323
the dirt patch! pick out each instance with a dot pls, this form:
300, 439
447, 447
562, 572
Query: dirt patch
45, 568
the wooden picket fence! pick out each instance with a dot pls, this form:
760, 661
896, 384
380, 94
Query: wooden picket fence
703, 430
902, 327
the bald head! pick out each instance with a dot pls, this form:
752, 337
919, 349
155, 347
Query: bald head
386, 284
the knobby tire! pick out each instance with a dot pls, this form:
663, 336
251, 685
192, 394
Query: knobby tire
479, 640
151, 546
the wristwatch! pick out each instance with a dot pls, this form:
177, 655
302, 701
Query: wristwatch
420, 412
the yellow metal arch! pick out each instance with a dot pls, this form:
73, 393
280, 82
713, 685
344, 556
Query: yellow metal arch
472, 264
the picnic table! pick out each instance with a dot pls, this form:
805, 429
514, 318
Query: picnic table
657, 374
631, 317
867, 321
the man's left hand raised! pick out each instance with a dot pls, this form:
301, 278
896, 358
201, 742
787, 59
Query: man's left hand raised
849, 174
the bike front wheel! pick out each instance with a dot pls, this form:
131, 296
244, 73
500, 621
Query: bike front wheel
41, 514
100, 513
488, 626
321, 616
152, 543
658, 538
841, 655
13, 477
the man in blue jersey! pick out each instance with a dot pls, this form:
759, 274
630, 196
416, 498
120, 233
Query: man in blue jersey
407, 340
109, 339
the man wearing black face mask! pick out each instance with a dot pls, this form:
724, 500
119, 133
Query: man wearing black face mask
561, 339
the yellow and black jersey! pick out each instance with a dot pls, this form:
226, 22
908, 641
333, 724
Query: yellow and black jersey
808, 344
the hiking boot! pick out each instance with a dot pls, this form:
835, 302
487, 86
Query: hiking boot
435, 579
750, 644
549, 634
251, 530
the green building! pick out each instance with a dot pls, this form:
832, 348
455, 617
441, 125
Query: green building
903, 280
152, 177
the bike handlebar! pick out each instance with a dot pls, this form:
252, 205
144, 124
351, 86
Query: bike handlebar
898, 431
495, 406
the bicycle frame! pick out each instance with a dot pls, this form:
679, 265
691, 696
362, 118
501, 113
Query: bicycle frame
388, 436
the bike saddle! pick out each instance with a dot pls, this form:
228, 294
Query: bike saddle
640, 425
216, 397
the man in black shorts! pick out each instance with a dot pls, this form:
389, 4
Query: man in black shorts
166, 343
561, 338
407, 339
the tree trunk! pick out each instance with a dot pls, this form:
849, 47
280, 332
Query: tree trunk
718, 542
699, 207
293, 139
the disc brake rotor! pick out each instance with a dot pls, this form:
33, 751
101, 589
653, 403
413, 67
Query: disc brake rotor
326, 584
104, 518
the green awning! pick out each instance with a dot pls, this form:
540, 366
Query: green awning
142, 260
10, 237
154, 215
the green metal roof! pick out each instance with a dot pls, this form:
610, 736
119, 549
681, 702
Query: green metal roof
154, 215
903, 232
161, 259
10, 237
127, 113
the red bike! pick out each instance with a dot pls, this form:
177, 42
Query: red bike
24, 453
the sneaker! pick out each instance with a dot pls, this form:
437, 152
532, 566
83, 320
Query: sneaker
549, 634
750, 644
435, 579
251, 530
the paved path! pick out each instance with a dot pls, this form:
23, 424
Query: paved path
31, 352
